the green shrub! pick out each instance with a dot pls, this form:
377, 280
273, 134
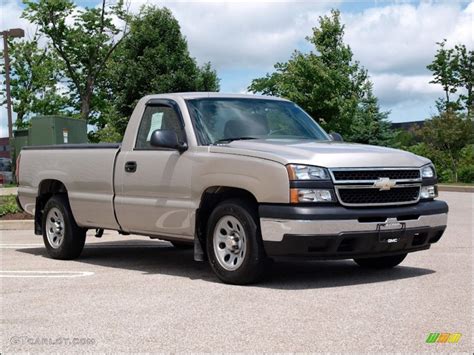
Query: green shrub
466, 174
8, 205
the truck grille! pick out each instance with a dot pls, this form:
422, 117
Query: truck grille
372, 196
366, 187
358, 175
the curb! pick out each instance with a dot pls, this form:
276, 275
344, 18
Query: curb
456, 188
5, 191
16, 225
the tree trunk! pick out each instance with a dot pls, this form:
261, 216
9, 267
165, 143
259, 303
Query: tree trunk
469, 102
19, 124
446, 90
86, 99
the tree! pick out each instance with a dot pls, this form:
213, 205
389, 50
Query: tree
370, 125
453, 69
35, 73
154, 58
333, 88
444, 67
445, 137
465, 68
84, 40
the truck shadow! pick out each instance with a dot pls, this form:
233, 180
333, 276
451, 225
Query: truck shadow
157, 257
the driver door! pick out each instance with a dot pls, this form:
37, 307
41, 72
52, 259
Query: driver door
153, 187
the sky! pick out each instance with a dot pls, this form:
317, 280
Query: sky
393, 40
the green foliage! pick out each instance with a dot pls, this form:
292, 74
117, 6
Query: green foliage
83, 40
8, 205
402, 139
107, 126
448, 133
453, 69
466, 164
106, 68
35, 72
370, 125
332, 87
444, 73
152, 59
447, 140
465, 77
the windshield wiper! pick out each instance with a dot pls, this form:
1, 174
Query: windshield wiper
228, 140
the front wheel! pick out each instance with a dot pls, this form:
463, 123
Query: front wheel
63, 238
384, 262
234, 244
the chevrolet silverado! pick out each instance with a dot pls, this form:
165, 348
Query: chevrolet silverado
243, 179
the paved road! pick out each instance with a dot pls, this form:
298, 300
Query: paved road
133, 294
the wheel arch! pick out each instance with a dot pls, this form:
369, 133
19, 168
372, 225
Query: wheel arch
46, 189
210, 198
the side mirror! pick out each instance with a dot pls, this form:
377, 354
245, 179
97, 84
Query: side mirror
336, 137
166, 138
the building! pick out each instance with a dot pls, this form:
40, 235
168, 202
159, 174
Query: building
408, 126
4, 147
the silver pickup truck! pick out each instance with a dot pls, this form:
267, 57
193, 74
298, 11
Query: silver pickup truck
244, 179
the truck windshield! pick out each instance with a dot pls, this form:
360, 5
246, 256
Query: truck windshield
222, 119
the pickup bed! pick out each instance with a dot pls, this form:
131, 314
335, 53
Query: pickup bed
240, 178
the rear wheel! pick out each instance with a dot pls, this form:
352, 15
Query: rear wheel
384, 262
234, 244
63, 238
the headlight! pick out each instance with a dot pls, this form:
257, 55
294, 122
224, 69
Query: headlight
306, 172
312, 195
427, 172
428, 192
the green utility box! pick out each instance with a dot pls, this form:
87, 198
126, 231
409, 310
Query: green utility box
49, 130
20, 140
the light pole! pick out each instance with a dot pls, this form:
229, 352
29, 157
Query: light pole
14, 33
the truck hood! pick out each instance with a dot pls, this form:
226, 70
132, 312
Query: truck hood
321, 153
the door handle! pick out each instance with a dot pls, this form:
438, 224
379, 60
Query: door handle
131, 166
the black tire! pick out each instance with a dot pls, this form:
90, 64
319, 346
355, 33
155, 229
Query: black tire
73, 237
384, 262
254, 262
182, 245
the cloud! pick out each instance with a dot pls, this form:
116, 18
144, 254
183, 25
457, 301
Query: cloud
395, 88
11, 17
252, 34
244, 39
396, 43
402, 38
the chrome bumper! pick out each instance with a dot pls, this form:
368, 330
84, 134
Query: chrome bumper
273, 229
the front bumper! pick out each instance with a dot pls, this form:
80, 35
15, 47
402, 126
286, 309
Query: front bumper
336, 232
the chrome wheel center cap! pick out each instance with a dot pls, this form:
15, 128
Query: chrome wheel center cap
232, 243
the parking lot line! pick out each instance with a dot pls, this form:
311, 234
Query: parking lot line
87, 246
43, 273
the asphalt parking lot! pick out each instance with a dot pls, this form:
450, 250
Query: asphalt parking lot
133, 294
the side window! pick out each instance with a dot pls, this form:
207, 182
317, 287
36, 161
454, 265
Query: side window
158, 117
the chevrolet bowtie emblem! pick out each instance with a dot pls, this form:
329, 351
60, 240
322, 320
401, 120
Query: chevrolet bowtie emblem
384, 184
